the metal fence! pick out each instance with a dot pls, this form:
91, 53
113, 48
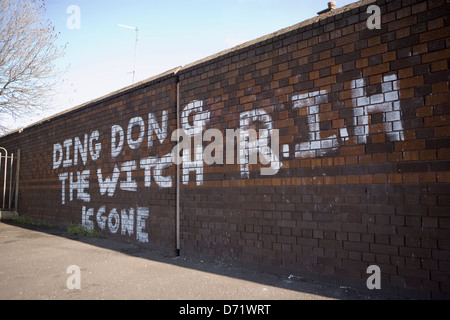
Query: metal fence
9, 183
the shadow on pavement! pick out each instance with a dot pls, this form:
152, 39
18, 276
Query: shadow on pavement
289, 282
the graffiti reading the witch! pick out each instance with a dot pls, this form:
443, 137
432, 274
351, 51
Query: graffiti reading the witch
190, 153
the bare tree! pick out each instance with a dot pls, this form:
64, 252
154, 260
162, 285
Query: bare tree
27, 53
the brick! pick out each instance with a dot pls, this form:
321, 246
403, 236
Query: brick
352, 150
409, 82
374, 50
437, 99
435, 77
402, 23
378, 69
435, 56
433, 35
383, 248
443, 176
425, 111
403, 43
437, 121
405, 62
441, 87
409, 145
356, 246
444, 153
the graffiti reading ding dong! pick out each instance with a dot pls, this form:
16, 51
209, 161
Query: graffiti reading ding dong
316, 142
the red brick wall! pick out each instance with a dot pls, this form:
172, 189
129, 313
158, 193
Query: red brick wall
363, 119
363, 116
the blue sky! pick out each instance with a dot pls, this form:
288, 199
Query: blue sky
99, 55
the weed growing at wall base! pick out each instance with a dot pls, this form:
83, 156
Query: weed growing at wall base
25, 220
79, 229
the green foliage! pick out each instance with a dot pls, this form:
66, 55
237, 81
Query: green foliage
72, 228
24, 220
78, 229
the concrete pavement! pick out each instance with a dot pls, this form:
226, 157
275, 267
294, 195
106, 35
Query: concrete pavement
34, 262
